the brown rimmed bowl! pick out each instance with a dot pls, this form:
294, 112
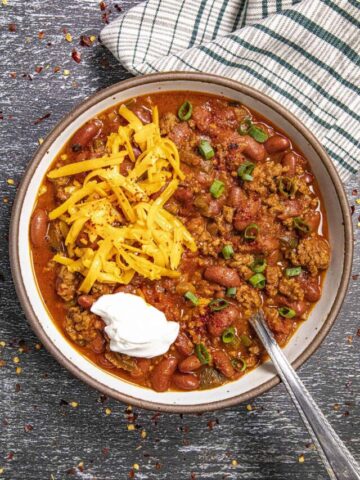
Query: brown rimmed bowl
309, 335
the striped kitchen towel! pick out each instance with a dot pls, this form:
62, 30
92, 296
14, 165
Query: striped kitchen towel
304, 54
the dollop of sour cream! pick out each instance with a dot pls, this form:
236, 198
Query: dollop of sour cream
134, 327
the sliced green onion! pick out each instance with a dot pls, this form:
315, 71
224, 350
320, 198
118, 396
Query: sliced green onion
293, 272
258, 134
245, 340
228, 335
244, 126
192, 298
218, 304
227, 252
251, 231
206, 149
203, 354
299, 224
217, 188
185, 111
258, 265
257, 280
239, 364
286, 186
231, 292
287, 312
245, 171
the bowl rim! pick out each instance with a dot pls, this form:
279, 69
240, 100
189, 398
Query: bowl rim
37, 158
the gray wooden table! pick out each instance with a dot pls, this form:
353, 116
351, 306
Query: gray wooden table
55, 427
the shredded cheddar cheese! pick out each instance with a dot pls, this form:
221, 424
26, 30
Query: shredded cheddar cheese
132, 233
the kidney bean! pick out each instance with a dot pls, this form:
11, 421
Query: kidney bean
273, 257
312, 289
185, 381
183, 195
236, 197
86, 133
228, 277
85, 301
276, 143
162, 373
293, 208
144, 364
38, 227
218, 321
184, 345
190, 364
254, 150
98, 344
143, 113
299, 307
313, 220
268, 244
223, 363
247, 212
290, 160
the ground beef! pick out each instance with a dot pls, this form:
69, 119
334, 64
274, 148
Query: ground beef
313, 253
82, 326
273, 275
66, 284
291, 288
265, 178
99, 289
167, 123
249, 299
242, 262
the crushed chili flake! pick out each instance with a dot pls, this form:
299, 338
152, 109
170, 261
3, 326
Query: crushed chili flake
105, 17
68, 37
106, 451
102, 398
39, 69
144, 433
12, 27
38, 346
41, 35
2, 363
192, 476
17, 387
211, 423
76, 56
10, 456
301, 459
117, 7
40, 140
352, 209
28, 427
354, 192
56, 69
346, 413
336, 406
358, 332
131, 473
18, 370
85, 40
158, 466
41, 119
13, 75
350, 339
102, 6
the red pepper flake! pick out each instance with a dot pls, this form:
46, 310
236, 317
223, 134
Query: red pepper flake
41, 119
352, 209
28, 427
76, 56
158, 466
354, 192
346, 413
117, 7
358, 332
56, 69
27, 76
13, 75
41, 35
12, 27
106, 451
355, 277
105, 17
10, 456
102, 6
85, 41
17, 387
39, 69
102, 399
131, 473
155, 418
211, 423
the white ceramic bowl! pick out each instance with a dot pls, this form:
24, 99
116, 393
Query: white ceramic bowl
307, 338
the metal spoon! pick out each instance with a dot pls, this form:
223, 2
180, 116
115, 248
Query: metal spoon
338, 461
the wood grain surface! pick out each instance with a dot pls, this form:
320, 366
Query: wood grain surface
55, 427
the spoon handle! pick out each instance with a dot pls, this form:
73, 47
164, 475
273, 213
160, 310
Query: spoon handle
338, 461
